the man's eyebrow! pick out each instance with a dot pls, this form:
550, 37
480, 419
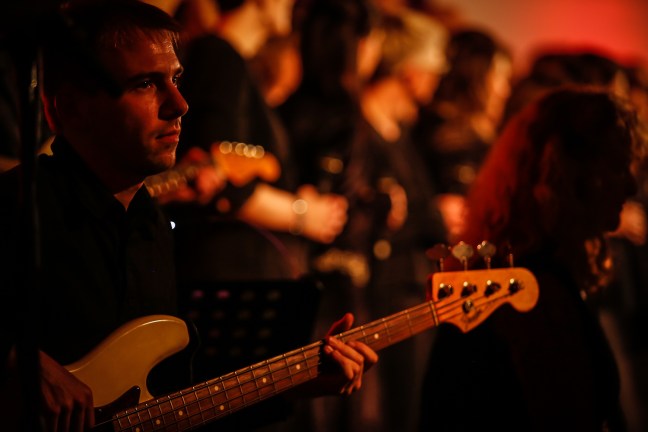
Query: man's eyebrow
152, 74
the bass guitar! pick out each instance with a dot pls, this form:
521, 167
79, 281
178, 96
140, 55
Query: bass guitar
116, 370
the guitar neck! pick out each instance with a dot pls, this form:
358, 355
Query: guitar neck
219, 397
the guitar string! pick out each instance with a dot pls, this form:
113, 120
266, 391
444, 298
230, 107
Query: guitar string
443, 316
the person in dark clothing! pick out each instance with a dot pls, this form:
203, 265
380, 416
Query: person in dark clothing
553, 185
456, 129
102, 249
262, 229
411, 62
339, 45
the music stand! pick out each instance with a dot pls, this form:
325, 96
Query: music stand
243, 322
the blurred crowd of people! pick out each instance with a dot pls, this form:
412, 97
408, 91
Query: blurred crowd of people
377, 117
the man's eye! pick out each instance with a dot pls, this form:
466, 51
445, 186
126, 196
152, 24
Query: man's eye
177, 80
145, 84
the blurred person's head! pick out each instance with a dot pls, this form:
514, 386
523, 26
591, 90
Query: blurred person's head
339, 45
276, 14
277, 68
637, 75
559, 174
414, 50
554, 68
479, 75
198, 18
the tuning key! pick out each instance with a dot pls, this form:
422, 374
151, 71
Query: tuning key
463, 252
514, 286
439, 252
509, 255
444, 291
468, 289
491, 288
486, 250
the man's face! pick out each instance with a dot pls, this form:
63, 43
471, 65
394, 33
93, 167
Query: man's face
135, 134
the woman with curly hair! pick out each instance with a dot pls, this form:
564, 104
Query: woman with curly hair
551, 188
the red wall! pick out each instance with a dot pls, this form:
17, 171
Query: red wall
616, 27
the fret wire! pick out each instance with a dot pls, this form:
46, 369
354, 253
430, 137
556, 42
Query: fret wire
272, 377
409, 322
184, 403
200, 410
256, 382
227, 398
238, 381
364, 334
139, 417
305, 361
148, 411
387, 331
289, 367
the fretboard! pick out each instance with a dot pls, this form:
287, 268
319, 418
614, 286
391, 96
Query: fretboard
219, 397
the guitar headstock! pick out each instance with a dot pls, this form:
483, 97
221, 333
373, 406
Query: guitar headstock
466, 298
242, 162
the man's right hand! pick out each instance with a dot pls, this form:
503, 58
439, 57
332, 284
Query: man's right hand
66, 402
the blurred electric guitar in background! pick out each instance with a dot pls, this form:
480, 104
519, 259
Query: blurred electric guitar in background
237, 162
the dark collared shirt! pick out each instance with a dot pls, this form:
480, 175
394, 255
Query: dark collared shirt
101, 265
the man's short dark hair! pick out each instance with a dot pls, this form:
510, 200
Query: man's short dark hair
84, 28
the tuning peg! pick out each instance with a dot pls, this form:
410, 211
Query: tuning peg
509, 254
486, 250
468, 289
463, 252
514, 286
444, 291
439, 252
491, 288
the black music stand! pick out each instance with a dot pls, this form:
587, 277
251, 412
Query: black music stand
243, 322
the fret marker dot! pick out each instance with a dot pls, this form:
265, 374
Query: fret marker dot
222, 407
264, 380
376, 335
298, 367
137, 429
216, 388
157, 422
180, 413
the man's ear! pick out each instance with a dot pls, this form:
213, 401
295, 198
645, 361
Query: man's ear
51, 114
61, 108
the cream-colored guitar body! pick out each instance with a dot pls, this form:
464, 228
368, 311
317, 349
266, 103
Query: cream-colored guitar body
125, 358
